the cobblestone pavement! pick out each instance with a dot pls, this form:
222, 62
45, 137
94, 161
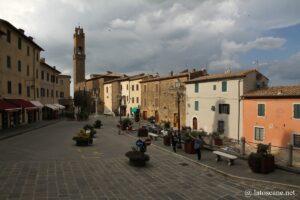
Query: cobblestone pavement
45, 164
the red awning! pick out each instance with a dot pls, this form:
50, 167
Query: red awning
22, 103
4, 105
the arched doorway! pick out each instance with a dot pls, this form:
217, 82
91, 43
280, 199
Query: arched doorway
195, 123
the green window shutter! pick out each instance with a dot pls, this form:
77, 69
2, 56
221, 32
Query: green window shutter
261, 110
224, 86
297, 111
196, 87
196, 105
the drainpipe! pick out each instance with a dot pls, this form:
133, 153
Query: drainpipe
239, 109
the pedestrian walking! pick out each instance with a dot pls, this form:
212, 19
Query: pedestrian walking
174, 141
198, 144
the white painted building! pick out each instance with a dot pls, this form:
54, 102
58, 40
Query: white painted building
131, 93
213, 102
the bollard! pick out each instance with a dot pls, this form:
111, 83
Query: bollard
243, 141
290, 155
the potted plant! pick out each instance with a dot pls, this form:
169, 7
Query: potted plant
262, 161
90, 129
126, 123
167, 138
188, 142
137, 158
217, 140
83, 138
98, 124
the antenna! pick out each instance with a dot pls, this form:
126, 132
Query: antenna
256, 63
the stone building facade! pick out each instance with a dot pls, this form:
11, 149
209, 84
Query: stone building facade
160, 99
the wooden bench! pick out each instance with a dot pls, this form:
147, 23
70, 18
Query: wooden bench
229, 157
153, 136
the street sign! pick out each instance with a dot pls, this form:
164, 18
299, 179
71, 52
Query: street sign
139, 143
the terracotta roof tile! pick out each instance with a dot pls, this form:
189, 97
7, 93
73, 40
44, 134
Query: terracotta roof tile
234, 74
276, 91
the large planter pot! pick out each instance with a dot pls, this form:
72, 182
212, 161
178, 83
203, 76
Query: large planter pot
167, 140
189, 147
218, 141
137, 158
84, 142
261, 164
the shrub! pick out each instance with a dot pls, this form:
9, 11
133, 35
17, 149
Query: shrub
91, 129
83, 115
125, 123
83, 138
97, 124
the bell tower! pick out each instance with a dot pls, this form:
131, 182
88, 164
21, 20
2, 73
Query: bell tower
78, 56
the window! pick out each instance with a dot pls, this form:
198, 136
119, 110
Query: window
52, 93
297, 111
214, 87
37, 93
37, 56
261, 110
42, 74
132, 100
127, 86
137, 100
28, 51
145, 103
47, 93
8, 36
9, 87
145, 88
196, 105
259, 134
196, 87
106, 89
28, 73
56, 80
8, 62
47, 76
296, 140
20, 88
224, 108
28, 91
221, 126
19, 66
137, 87
37, 73
61, 95
224, 86
61, 82
19, 43
127, 98
56, 93
132, 88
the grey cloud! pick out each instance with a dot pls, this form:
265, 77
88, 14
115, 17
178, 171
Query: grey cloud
134, 35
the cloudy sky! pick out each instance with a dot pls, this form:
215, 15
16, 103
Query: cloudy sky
132, 36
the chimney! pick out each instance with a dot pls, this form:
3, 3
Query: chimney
30, 38
54, 67
194, 70
42, 60
171, 73
21, 30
